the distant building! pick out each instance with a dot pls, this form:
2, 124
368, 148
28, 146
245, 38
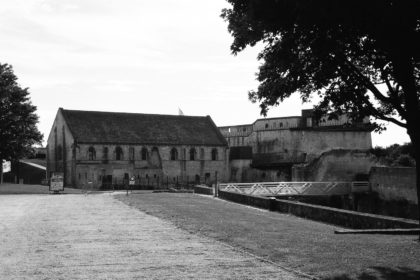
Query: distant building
268, 149
39, 153
103, 148
29, 170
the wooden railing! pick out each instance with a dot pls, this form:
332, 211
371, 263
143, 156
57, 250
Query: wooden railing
295, 188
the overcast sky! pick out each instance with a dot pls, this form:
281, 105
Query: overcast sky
135, 56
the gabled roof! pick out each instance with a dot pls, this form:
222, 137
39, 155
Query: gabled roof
132, 128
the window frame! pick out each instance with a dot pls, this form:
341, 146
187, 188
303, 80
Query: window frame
119, 154
173, 155
91, 153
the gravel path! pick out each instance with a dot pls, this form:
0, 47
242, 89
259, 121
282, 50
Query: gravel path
98, 237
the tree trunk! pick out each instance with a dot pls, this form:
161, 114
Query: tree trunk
404, 73
418, 181
415, 139
417, 154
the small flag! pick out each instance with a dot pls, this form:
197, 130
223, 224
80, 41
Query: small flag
180, 112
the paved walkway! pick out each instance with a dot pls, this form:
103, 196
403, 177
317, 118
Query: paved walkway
98, 237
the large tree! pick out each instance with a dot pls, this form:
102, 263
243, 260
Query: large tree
18, 130
360, 57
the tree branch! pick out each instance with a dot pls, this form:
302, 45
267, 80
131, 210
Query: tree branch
375, 112
376, 92
378, 115
394, 97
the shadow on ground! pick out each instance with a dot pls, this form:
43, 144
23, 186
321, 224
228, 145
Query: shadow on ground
382, 273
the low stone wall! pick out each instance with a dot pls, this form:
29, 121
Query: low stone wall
344, 218
256, 201
203, 190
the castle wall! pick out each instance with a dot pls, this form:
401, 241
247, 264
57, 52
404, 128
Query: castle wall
394, 183
278, 143
335, 165
241, 171
314, 143
292, 144
276, 123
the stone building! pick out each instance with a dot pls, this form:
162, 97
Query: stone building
268, 149
104, 148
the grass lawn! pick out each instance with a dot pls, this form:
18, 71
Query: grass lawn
7, 188
300, 244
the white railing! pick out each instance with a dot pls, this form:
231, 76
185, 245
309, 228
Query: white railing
294, 188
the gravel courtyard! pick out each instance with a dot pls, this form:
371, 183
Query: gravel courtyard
98, 237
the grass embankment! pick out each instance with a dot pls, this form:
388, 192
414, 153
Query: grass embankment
300, 244
30, 189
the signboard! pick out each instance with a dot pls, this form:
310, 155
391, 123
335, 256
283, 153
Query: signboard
132, 181
57, 182
7, 167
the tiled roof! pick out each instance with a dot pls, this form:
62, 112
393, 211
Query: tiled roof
111, 127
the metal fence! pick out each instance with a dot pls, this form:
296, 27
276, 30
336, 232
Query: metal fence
158, 182
295, 188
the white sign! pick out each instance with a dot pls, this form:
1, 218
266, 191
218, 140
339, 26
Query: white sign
57, 182
7, 167
132, 181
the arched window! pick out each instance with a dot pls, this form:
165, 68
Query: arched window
91, 153
105, 153
214, 154
266, 125
131, 154
118, 153
202, 152
144, 153
59, 152
281, 124
174, 154
193, 154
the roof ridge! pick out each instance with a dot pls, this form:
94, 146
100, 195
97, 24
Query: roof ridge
131, 113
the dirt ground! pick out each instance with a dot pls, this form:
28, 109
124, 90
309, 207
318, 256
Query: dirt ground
98, 237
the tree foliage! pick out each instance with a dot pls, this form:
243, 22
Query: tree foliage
18, 130
340, 50
395, 155
361, 57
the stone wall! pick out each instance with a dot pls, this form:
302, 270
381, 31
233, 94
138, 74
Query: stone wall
394, 183
158, 169
329, 215
335, 165
200, 189
60, 151
291, 138
309, 144
242, 171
